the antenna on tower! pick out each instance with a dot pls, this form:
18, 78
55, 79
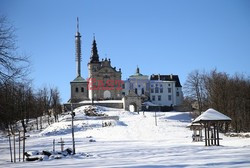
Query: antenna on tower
77, 24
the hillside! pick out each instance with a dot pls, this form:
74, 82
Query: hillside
133, 141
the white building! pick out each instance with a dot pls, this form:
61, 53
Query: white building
138, 83
165, 90
162, 90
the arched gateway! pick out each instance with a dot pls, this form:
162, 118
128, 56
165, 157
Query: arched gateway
132, 102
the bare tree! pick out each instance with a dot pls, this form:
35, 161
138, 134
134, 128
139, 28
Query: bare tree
55, 103
194, 88
46, 102
12, 65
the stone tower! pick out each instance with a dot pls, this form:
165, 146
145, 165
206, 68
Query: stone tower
79, 86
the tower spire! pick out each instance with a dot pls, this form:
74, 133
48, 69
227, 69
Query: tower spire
94, 58
78, 50
77, 27
137, 70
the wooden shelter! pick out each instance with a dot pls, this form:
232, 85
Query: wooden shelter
211, 120
197, 131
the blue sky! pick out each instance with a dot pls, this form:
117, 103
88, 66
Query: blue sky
161, 36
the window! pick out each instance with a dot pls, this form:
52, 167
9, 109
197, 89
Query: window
152, 86
135, 90
159, 98
123, 86
169, 97
131, 86
152, 90
153, 98
123, 93
156, 90
177, 94
156, 84
161, 90
76, 89
169, 84
139, 85
169, 90
82, 89
142, 91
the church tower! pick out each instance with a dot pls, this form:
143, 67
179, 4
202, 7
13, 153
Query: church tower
94, 63
79, 86
102, 75
93, 66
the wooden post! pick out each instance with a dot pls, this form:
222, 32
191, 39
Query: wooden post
19, 144
218, 137
11, 160
205, 134
62, 144
14, 146
208, 135
53, 145
212, 136
215, 137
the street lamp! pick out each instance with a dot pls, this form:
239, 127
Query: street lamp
72, 125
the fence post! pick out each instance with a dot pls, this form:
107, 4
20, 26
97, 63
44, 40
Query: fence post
53, 145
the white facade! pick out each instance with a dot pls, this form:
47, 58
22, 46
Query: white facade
162, 90
164, 93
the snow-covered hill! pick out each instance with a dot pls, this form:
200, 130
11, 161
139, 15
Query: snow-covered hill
133, 141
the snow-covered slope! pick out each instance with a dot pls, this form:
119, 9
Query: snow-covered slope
133, 141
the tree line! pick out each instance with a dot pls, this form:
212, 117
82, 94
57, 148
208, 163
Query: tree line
227, 94
19, 101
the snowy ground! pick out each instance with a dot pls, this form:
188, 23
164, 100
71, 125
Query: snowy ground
133, 141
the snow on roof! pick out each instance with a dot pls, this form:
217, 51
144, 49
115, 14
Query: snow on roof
148, 104
212, 115
193, 124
